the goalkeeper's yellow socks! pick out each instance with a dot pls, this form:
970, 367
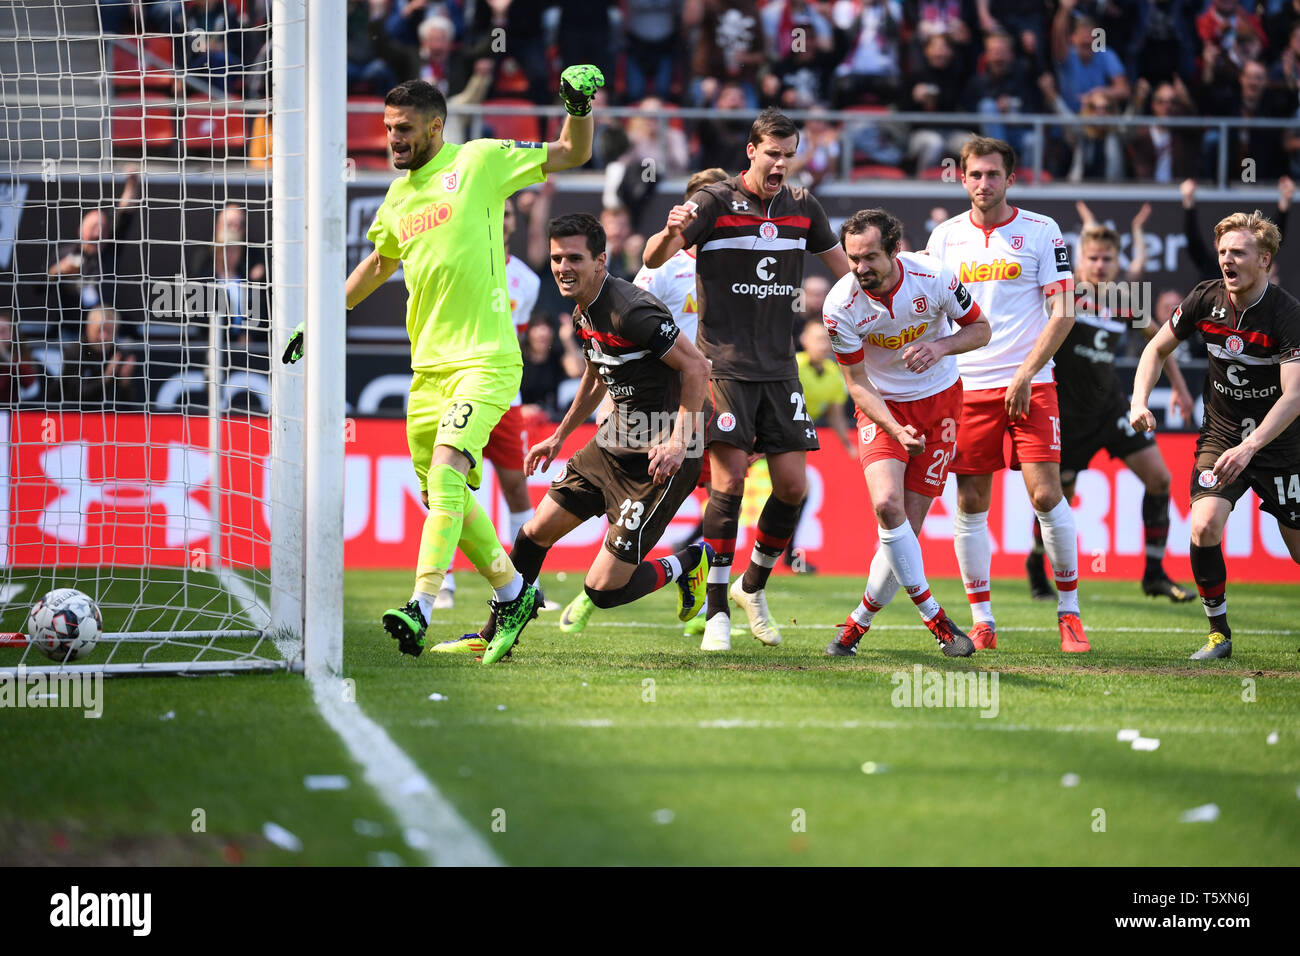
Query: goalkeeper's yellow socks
442, 527
479, 542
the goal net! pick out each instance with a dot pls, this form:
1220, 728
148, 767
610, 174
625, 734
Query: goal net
153, 264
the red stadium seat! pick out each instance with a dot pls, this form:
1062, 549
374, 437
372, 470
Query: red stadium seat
876, 171
367, 140
214, 129
523, 126
144, 126
143, 64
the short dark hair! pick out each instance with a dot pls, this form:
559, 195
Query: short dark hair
891, 229
705, 177
772, 122
579, 224
423, 96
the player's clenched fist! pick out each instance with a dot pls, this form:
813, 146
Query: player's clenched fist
679, 217
578, 87
665, 460
544, 452
1141, 419
921, 358
913, 443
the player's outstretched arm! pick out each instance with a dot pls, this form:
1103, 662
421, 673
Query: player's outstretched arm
1058, 326
1233, 461
835, 260
590, 391
1160, 347
370, 273
1137, 263
1182, 394
669, 241
690, 363
866, 396
578, 86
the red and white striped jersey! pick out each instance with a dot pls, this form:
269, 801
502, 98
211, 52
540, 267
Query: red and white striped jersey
673, 284
877, 331
1010, 269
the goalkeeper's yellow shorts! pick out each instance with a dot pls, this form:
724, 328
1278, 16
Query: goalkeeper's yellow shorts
459, 408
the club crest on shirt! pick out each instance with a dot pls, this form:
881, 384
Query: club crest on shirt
1017, 242
1207, 479
1235, 344
450, 181
726, 422
767, 231
918, 305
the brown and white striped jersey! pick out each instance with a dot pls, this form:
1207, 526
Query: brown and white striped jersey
750, 268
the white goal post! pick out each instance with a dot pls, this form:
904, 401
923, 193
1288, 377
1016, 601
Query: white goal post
173, 207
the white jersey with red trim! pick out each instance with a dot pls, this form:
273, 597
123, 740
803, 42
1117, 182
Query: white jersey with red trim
673, 284
1007, 267
523, 284
878, 330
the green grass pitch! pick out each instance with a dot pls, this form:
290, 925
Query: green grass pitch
627, 745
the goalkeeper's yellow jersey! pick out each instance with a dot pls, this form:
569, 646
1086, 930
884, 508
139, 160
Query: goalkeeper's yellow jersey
444, 221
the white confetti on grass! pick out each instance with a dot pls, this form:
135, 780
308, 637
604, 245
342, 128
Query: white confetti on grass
1070, 780
367, 828
1271, 738
1146, 743
1128, 734
871, 767
1205, 813
281, 837
663, 816
325, 781
436, 696
170, 715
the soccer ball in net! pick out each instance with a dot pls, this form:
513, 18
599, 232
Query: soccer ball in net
65, 625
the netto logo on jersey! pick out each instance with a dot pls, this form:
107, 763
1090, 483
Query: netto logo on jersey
434, 214
989, 271
906, 337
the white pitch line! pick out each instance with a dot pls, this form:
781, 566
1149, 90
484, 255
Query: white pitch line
434, 828
403, 787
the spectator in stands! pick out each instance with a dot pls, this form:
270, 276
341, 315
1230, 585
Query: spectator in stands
1254, 153
729, 46
1279, 24
1200, 253
653, 152
951, 19
651, 31
1022, 20
215, 33
1004, 88
722, 141
584, 34
815, 289
1080, 66
87, 270
934, 87
1165, 42
1165, 154
19, 378
403, 24
1098, 147
440, 62
622, 246
871, 71
97, 371
547, 363
521, 21
237, 277
375, 63
800, 49
1229, 30
818, 156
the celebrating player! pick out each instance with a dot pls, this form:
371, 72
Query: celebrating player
1093, 411
889, 325
505, 447
638, 468
752, 231
673, 284
1251, 436
443, 222
1012, 260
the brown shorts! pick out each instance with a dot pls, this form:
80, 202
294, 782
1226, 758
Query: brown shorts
595, 481
763, 417
1278, 488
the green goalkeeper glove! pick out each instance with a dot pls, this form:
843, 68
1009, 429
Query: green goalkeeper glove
577, 87
293, 351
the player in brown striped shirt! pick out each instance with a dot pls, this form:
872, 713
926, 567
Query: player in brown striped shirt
753, 232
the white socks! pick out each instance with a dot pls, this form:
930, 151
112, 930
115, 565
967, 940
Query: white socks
882, 585
970, 539
1061, 542
904, 554
510, 591
517, 520
426, 604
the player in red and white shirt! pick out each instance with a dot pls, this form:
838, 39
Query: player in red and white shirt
1017, 267
891, 325
505, 447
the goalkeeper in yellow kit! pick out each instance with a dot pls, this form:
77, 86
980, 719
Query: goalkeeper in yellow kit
443, 223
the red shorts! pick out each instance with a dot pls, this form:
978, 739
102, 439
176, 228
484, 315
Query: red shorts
984, 426
505, 447
936, 418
